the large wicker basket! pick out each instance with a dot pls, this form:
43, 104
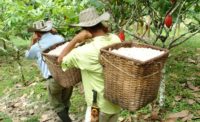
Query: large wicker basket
66, 79
130, 83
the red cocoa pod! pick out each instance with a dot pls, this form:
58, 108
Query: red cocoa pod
168, 21
121, 36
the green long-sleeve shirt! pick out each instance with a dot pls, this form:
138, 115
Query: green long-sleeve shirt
86, 58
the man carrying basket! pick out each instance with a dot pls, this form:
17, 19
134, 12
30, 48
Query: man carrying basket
43, 38
95, 34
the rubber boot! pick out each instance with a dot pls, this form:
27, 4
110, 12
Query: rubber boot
64, 115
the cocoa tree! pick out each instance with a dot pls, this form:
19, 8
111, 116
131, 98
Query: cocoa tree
17, 15
166, 16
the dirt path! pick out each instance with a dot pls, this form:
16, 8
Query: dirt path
21, 108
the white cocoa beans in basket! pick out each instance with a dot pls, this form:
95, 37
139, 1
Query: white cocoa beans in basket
141, 54
58, 50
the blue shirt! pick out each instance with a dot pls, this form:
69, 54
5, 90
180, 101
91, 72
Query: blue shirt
35, 52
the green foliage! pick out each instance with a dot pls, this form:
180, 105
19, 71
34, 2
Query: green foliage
5, 118
16, 16
33, 119
126, 13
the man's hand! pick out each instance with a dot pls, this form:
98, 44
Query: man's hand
82, 36
35, 38
54, 31
59, 59
79, 38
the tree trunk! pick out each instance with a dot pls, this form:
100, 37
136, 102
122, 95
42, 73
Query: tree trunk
162, 89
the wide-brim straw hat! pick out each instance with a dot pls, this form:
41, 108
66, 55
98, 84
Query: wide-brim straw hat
90, 17
41, 26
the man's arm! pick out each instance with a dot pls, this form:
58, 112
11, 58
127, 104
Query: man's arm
80, 37
33, 49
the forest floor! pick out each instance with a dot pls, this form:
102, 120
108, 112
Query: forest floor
27, 100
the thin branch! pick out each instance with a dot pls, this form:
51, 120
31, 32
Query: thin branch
159, 33
171, 10
174, 45
190, 6
135, 36
145, 31
153, 15
184, 34
177, 19
20, 66
4, 43
166, 36
174, 9
130, 19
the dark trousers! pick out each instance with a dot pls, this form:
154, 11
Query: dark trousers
58, 95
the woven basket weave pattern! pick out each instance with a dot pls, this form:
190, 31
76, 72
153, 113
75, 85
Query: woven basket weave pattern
66, 79
129, 83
